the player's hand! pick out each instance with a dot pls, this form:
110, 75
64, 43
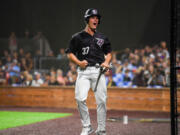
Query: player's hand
105, 65
83, 64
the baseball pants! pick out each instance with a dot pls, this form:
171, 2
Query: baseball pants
86, 79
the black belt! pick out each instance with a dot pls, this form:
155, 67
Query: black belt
92, 64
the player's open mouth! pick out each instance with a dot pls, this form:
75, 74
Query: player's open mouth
95, 24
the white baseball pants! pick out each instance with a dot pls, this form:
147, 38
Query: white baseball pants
87, 79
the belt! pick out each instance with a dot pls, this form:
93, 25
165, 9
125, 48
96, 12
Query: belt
92, 64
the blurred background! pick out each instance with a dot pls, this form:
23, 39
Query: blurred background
34, 35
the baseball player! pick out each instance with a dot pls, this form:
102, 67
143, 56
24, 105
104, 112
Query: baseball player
88, 49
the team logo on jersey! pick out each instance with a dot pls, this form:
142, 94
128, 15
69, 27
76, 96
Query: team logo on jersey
100, 41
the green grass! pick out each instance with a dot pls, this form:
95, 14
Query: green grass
9, 119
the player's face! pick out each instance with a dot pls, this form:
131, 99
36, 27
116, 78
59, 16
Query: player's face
93, 22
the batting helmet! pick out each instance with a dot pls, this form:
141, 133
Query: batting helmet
91, 12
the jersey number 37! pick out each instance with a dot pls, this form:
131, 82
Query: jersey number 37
85, 50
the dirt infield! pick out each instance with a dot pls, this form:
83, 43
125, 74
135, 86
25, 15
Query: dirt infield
72, 126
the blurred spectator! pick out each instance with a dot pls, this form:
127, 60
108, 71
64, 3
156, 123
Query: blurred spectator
21, 54
60, 78
118, 77
29, 61
24, 65
74, 77
115, 64
160, 78
73, 68
4, 57
125, 55
148, 51
42, 44
28, 80
127, 80
15, 56
150, 75
127, 66
14, 73
61, 54
50, 54
8, 62
2, 74
13, 42
142, 52
109, 80
47, 79
163, 45
71, 78
52, 72
37, 81
138, 79
166, 66
71, 74
53, 81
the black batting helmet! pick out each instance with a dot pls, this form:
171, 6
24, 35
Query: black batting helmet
91, 12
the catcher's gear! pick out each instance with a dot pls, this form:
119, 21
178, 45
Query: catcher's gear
91, 12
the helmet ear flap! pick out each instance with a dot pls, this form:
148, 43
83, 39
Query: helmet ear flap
87, 20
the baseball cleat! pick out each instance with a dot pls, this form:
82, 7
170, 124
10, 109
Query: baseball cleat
87, 130
100, 132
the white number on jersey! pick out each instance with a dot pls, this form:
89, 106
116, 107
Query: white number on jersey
85, 50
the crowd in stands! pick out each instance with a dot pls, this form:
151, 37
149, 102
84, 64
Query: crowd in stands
147, 67
141, 67
17, 70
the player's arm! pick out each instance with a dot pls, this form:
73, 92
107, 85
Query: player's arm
108, 53
72, 50
73, 58
107, 60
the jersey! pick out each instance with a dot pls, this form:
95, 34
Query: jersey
89, 48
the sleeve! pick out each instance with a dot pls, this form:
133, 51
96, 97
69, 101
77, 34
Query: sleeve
73, 46
107, 46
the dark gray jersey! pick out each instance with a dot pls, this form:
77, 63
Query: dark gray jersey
90, 48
